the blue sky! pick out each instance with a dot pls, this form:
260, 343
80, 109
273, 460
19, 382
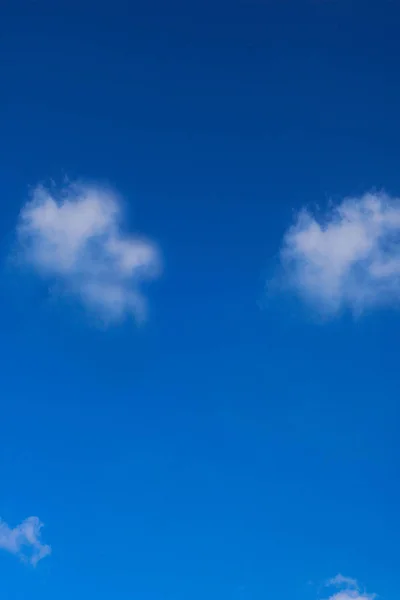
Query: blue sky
199, 300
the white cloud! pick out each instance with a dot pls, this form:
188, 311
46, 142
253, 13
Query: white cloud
24, 540
73, 238
341, 581
347, 588
351, 595
349, 259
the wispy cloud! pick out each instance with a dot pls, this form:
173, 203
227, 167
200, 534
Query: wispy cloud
73, 238
24, 540
349, 258
341, 581
346, 588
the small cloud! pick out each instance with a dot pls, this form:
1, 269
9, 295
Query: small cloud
348, 259
342, 581
73, 238
24, 540
347, 588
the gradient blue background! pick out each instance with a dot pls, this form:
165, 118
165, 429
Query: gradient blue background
232, 448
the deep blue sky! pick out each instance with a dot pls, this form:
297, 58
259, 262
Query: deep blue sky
231, 448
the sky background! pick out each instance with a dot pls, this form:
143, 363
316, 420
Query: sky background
234, 446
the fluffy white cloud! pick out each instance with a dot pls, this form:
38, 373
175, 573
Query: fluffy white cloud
347, 588
351, 595
73, 237
24, 540
349, 258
